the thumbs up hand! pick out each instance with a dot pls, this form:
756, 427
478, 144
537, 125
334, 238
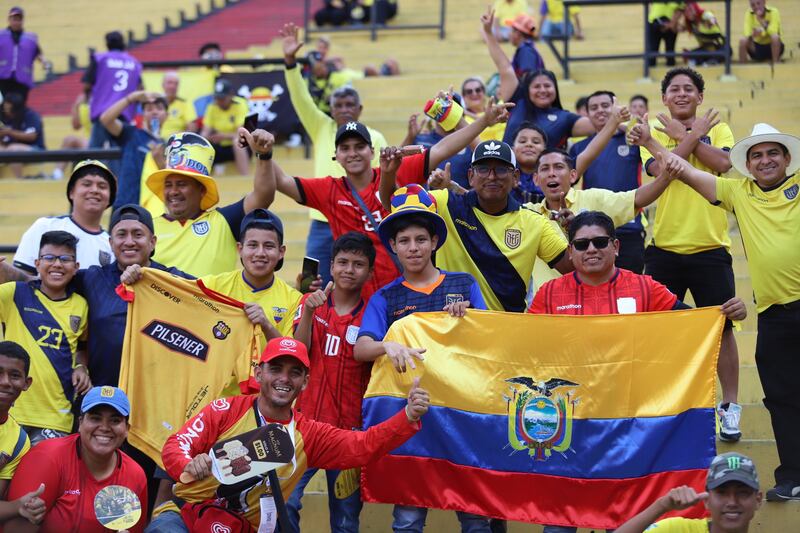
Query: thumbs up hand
418, 402
31, 506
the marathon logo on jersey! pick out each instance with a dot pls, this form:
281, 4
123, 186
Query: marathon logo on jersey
791, 192
513, 238
176, 339
201, 228
221, 330
165, 293
453, 299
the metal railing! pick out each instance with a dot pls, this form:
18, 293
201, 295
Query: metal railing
564, 58
49, 156
372, 26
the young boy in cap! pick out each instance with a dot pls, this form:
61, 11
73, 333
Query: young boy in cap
49, 320
282, 374
327, 322
221, 123
732, 498
767, 210
76, 471
91, 189
413, 232
14, 444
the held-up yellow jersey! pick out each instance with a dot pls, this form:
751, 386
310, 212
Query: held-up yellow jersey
685, 222
202, 246
49, 331
183, 343
279, 300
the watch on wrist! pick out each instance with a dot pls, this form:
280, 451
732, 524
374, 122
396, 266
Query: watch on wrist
265, 157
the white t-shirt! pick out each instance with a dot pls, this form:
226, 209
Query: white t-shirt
93, 247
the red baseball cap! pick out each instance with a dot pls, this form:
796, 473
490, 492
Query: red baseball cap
285, 346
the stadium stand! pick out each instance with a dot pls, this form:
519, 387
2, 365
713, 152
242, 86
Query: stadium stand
759, 94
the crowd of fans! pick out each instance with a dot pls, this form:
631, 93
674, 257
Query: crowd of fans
504, 203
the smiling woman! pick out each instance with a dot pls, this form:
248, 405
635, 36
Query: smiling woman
78, 470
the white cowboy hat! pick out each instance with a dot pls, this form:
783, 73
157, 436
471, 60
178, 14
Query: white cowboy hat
764, 133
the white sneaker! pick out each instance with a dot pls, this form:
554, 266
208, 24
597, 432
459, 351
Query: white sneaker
729, 422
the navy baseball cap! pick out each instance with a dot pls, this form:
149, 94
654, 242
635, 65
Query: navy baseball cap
132, 212
494, 150
266, 217
16, 10
223, 87
353, 129
112, 396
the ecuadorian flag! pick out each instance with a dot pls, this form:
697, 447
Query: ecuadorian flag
564, 420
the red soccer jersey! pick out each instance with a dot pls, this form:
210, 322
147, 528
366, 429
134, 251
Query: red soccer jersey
337, 381
69, 487
626, 292
334, 199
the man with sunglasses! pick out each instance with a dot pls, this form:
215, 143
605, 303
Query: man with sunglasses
598, 287
49, 320
490, 234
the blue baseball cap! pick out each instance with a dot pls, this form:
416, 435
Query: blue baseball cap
106, 395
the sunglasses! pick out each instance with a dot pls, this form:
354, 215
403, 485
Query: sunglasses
477, 90
599, 243
50, 258
501, 172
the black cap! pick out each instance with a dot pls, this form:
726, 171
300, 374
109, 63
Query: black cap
223, 87
314, 56
353, 129
267, 218
494, 150
132, 212
115, 41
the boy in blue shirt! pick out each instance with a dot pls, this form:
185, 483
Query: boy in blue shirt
413, 231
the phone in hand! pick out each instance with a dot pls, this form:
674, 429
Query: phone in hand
309, 274
251, 122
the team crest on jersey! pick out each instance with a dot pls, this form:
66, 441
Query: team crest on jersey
791, 192
201, 228
623, 150
351, 336
552, 118
74, 323
453, 299
278, 313
540, 415
513, 238
221, 330
104, 258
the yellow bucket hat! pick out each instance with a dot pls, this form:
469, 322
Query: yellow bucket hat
188, 154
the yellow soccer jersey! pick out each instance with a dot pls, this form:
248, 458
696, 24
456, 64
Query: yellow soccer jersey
183, 342
620, 206
200, 247
768, 222
279, 300
498, 250
226, 120
14, 444
685, 223
680, 525
773, 19
663, 10
49, 331
179, 114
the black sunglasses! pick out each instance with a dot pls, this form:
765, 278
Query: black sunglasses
477, 90
599, 243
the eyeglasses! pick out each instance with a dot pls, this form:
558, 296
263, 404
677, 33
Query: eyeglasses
477, 90
599, 243
501, 172
50, 258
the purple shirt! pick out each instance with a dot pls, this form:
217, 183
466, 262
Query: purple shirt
17, 56
113, 75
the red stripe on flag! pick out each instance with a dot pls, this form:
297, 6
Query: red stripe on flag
536, 498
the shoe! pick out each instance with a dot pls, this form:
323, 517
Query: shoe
729, 418
784, 492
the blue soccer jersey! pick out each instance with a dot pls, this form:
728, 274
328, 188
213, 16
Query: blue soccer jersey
399, 298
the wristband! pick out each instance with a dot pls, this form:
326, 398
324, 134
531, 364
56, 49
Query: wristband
264, 157
79, 365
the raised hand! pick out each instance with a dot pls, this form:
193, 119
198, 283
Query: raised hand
418, 402
487, 20
440, 178
673, 128
496, 112
291, 43
391, 158
682, 498
702, 125
639, 134
318, 297
260, 141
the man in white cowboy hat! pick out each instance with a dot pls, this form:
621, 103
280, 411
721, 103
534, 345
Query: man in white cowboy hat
193, 235
767, 208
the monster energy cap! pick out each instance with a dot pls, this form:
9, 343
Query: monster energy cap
732, 466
